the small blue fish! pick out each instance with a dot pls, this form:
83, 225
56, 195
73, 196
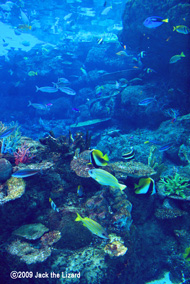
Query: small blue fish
153, 142
154, 22
7, 132
146, 101
75, 109
53, 205
165, 147
25, 173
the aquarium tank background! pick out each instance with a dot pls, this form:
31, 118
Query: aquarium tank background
95, 141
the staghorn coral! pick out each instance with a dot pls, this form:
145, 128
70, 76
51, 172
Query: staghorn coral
14, 188
175, 185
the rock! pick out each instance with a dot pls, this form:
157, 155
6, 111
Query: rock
5, 170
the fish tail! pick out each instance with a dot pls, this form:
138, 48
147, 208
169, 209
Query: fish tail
136, 186
29, 103
79, 218
122, 186
174, 28
182, 54
30, 27
37, 88
36, 73
165, 20
50, 200
106, 158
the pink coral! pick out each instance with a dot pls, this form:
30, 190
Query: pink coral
23, 155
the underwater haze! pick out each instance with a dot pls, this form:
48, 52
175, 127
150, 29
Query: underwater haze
95, 141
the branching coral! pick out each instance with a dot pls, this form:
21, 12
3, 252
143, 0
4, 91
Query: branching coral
23, 155
155, 162
175, 185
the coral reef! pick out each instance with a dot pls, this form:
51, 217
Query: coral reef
155, 162
169, 213
175, 185
13, 188
5, 170
132, 169
90, 262
23, 154
50, 238
10, 143
115, 247
80, 165
28, 253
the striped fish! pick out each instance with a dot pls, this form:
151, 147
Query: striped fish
53, 205
93, 226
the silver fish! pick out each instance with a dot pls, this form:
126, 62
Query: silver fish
46, 89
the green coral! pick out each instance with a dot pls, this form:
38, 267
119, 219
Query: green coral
175, 185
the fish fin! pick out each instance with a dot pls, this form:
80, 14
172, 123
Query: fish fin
165, 20
79, 218
37, 89
50, 200
29, 103
122, 186
174, 28
182, 54
106, 158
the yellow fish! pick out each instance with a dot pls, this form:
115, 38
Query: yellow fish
186, 255
175, 58
105, 178
145, 185
182, 29
122, 53
32, 73
24, 27
98, 159
93, 226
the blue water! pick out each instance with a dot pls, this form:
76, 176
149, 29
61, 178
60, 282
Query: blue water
64, 64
